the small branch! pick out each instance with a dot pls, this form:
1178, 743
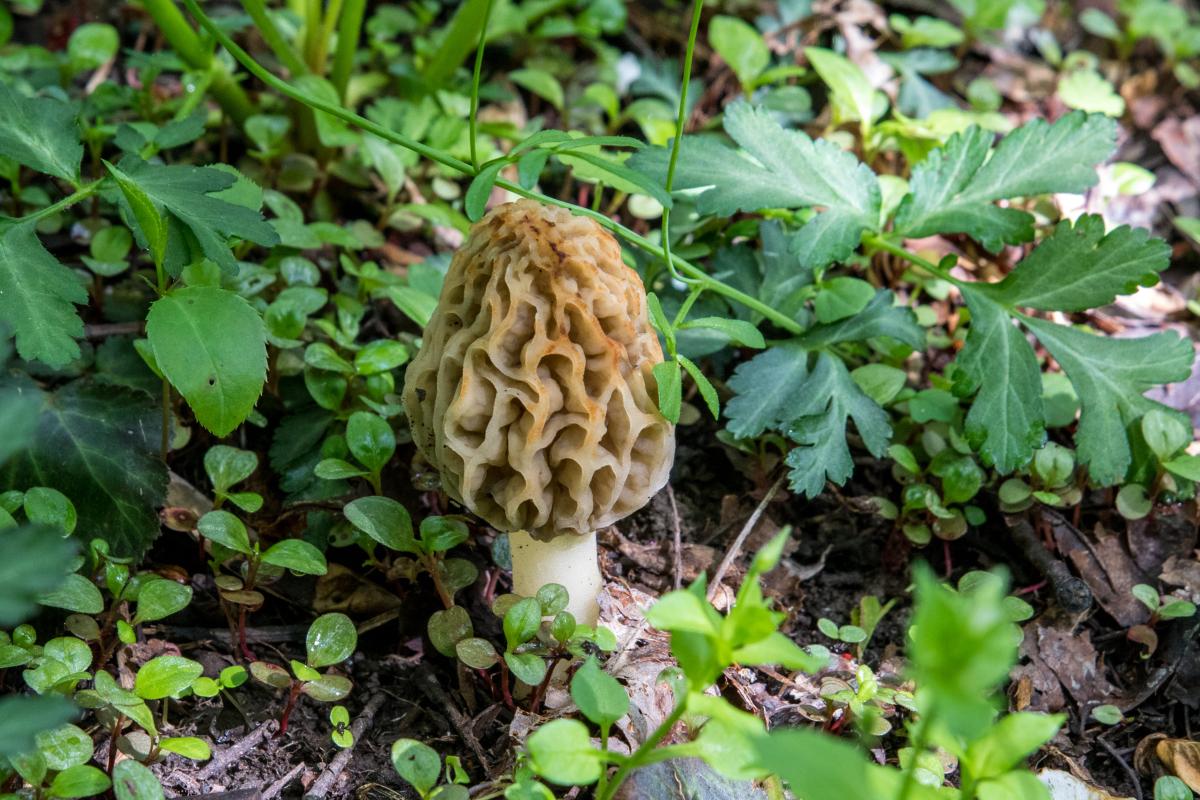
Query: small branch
276, 788
744, 534
1133, 776
362, 723
1072, 594
223, 759
428, 684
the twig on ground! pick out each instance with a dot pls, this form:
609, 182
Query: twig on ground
230, 754
462, 723
362, 723
276, 788
732, 554
678, 543
1133, 776
232, 794
1072, 593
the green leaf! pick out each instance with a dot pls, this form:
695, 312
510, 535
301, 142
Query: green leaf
707, 390
76, 593
1009, 742
328, 688
33, 564
22, 718
820, 410
379, 356
82, 780
528, 668
151, 220
331, 638
1169, 787
1079, 267
186, 746
40, 133
764, 389
1110, 377
296, 555
211, 345
669, 378
370, 439
198, 222
225, 529
816, 765
598, 695
448, 628
541, 83
166, 676
331, 131
38, 296
780, 169
954, 188
853, 95
561, 752
1185, 466
842, 297
741, 46
738, 330
614, 173
480, 189
476, 653
521, 621
439, 534
1006, 421
134, 781
384, 520
18, 416
91, 44
228, 466
102, 442
50, 507
67, 745
417, 763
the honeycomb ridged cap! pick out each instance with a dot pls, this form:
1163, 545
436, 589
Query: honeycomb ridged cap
533, 393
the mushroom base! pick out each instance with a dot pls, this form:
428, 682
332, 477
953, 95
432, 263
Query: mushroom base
569, 559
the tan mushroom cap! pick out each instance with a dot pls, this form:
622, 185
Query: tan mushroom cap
532, 393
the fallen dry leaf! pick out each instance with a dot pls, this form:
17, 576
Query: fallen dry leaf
1065, 786
1181, 757
1055, 660
1180, 140
342, 589
1103, 563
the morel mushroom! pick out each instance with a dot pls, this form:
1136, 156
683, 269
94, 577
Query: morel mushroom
533, 394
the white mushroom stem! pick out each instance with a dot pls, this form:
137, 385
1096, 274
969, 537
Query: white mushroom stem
569, 559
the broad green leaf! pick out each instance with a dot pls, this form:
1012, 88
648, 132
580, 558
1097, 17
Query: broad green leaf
151, 220
417, 763
741, 46
448, 628
186, 746
777, 168
737, 330
521, 621
384, 520
18, 416
541, 83
853, 95
598, 695
331, 638
225, 529
841, 297
91, 44
77, 594
1006, 420
102, 442
1010, 741
161, 598
199, 222
22, 718
828, 399
211, 345
1110, 377
331, 131
50, 507
166, 676
38, 296
561, 752
65, 746
370, 439
135, 781
33, 563
81, 780
528, 668
296, 555
227, 466
816, 765
765, 388
880, 317
1079, 267
328, 688
40, 133
954, 188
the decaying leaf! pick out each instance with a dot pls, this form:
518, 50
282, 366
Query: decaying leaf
1065, 786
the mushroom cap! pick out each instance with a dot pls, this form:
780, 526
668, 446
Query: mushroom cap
532, 393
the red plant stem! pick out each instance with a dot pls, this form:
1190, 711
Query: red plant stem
112, 743
242, 634
540, 692
293, 696
505, 694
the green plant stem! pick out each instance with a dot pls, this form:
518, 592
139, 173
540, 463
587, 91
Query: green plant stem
187, 44
883, 243
257, 9
603, 782
918, 745
680, 123
445, 159
640, 755
332, 12
349, 30
483, 26
82, 193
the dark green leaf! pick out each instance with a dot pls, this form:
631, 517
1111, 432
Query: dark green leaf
765, 388
880, 317
331, 638
22, 718
38, 296
40, 133
33, 562
296, 555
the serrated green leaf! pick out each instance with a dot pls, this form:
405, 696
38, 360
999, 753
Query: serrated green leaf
1006, 420
954, 188
880, 317
764, 389
211, 345
41, 133
779, 169
1079, 267
1110, 377
102, 442
38, 296
826, 401
196, 217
